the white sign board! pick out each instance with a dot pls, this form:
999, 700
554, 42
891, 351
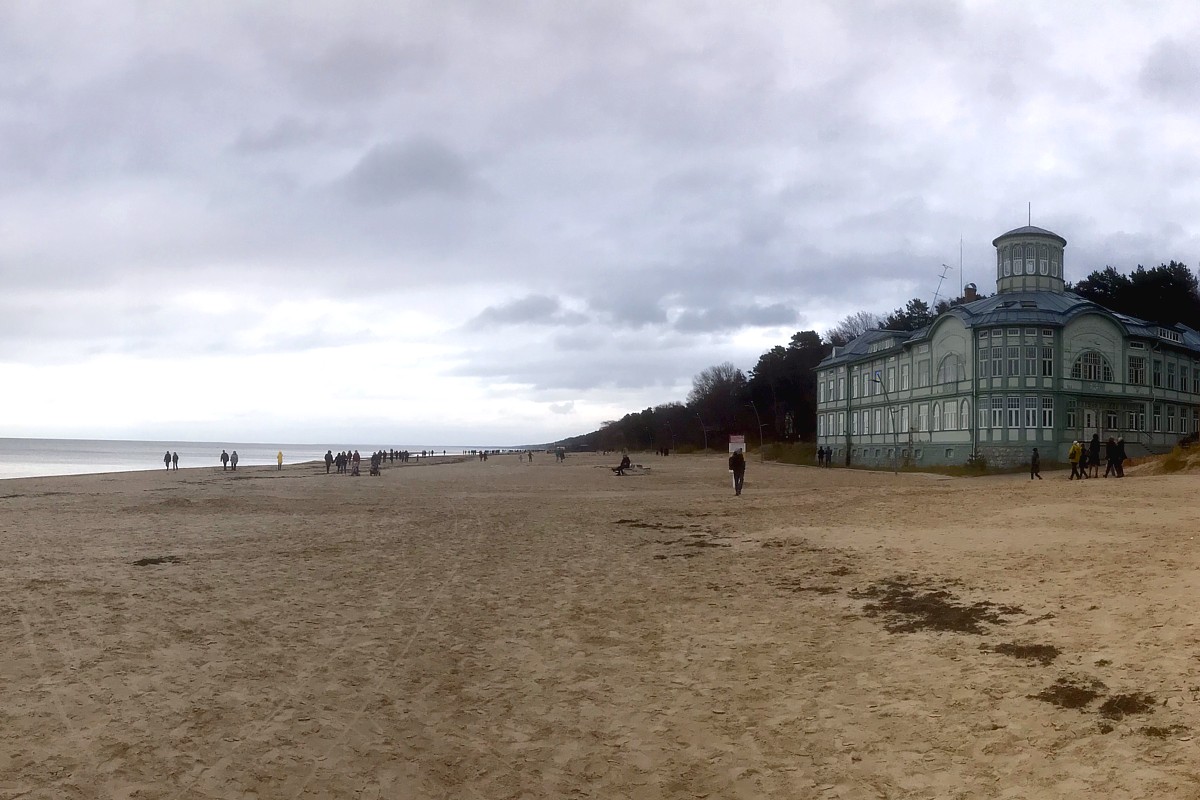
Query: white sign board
737, 443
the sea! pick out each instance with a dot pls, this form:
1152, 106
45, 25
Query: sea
33, 458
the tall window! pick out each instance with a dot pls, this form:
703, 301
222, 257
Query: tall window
1170, 375
922, 417
1137, 370
950, 369
997, 362
1184, 378
904, 419
1091, 366
1047, 362
1110, 419
1170, 419
922, 374
950, 416
1047, 412
1072, 415
964, 414
997, 412
891, 379
1131, 421
1157, 373
1031, 357
878, 427
983, 362
1014, 412
936, 419
904, 370
1014, 360
1031, 412
1158, 419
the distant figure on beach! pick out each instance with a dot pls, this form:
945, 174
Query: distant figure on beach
224, 460
328, 460
624, 465
737, 465
1094, 455
1073, 456
1035, 465
279, 459
355, 461
820, 456
1121, 456
233, 460
175, 461
167, 460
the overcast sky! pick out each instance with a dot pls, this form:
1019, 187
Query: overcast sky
505, 222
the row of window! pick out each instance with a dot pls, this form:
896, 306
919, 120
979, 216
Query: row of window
1016, 361
1027, 259
1013, 412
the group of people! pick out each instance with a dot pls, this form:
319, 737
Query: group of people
229, 460
1085, 459
346, 461
171, 460
824, 456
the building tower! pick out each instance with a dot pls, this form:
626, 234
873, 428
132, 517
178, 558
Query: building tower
1029, 259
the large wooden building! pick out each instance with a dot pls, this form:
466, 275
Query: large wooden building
1031, 366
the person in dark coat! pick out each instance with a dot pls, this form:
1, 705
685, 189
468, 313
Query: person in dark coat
1110, 457
1035, 465
224, 460
1121, 457
737, 464
820, 456
1094, 455
167, 459
328, 460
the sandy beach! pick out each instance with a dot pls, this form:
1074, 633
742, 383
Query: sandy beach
514, 630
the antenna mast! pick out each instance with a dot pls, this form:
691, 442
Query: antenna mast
937, 292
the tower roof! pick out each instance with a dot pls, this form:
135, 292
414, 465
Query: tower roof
1030, 230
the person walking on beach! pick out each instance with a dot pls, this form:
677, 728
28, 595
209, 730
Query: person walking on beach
1073, 457
167, 460
1094, 455
737, 464
233, 461
1035, 465
1110, 457
175, 461
224, 461
328, 460
279, 459
1120, 456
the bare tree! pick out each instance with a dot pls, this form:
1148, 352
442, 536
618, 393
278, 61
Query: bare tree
852, 327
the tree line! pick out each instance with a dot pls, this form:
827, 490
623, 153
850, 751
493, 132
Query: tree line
777, 400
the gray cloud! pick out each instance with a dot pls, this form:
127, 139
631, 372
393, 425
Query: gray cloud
389, 173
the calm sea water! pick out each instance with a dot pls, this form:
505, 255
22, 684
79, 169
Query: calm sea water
29, 458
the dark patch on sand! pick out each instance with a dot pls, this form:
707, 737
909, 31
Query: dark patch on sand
905, 608
1071, 692
145, 562
1163, 732
1041, 653
1119, 705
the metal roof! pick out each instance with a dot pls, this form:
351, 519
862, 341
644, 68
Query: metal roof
1030, 230
1014, 308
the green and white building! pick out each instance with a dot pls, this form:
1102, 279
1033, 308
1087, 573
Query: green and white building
1031, 366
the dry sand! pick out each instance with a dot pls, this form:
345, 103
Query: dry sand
513, 630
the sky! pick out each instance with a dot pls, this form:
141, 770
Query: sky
506, 223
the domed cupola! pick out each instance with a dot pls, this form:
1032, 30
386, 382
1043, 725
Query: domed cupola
1029, 259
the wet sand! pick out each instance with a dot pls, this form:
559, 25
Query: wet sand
515, 630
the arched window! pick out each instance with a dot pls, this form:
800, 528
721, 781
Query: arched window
937, 417
950, 369
964, 414
1044, 260
1091, 366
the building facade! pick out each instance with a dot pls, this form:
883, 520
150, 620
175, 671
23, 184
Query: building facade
1031, 366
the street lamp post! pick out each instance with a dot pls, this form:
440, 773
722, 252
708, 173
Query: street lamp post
758, 419
703, 430
891, 416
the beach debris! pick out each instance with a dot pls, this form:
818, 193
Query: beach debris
145, 562
905, 608
1041, 653
1071, 692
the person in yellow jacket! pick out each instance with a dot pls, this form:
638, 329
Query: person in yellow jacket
1073, 456
279, 459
